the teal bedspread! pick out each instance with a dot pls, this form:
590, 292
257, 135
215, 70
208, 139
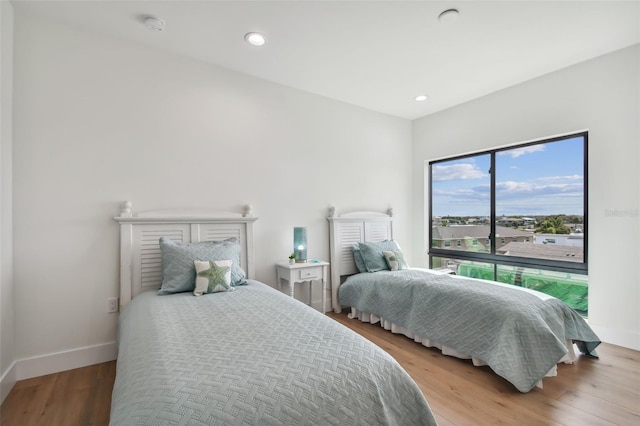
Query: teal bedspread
253, 356
521, 334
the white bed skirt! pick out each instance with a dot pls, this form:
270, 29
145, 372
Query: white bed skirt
569, 358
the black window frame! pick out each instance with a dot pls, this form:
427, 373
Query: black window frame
497, 259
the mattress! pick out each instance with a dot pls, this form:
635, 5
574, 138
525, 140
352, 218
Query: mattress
520, 333
253, 356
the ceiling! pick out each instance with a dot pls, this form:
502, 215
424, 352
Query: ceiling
375, 54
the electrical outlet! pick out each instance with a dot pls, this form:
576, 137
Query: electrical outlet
112, 305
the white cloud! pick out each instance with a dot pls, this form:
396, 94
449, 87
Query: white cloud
515, 153
559, 178
457, 172
554, 196
510, 189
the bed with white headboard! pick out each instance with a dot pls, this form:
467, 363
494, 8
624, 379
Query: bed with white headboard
344, 231
520, 333
245, 355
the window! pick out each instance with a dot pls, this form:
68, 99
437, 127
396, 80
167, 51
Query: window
516, 199
447, 243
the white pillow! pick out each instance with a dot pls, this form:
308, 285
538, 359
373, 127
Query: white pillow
212, 276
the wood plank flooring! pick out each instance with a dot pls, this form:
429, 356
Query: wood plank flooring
76, 397
590, 392
603, 391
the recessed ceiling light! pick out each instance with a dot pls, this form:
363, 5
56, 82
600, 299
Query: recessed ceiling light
421, 98
256, 39
449, 15
154, 23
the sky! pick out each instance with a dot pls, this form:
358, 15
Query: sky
542, 179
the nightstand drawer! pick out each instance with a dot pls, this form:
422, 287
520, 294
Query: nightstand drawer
313, 273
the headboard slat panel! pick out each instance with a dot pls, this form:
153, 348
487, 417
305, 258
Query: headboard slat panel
351, 233
140, 256
346, 230
377, 231
147, 260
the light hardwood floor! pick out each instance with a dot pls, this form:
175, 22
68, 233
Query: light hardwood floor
75, 397
590, 392
601, 391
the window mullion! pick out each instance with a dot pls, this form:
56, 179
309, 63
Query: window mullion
492, 214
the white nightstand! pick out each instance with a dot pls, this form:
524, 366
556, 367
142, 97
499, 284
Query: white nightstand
303, 272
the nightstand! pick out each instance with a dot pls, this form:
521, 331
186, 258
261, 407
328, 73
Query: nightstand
302, 272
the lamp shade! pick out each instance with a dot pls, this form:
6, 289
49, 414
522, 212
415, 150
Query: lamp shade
300, 244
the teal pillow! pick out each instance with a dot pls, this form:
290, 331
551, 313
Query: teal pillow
357, 258
178, 270
373, 257
395, 260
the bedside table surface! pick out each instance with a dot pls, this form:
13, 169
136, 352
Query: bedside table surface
286, 264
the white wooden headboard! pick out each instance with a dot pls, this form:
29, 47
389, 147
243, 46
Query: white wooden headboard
344, 231
140, 258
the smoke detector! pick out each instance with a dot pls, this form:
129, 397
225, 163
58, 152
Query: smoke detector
154, 23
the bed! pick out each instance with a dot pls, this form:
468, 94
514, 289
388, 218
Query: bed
244, 355
520, 334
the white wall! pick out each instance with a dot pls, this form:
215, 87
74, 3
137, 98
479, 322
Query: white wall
600, 95
99, 120
7, 346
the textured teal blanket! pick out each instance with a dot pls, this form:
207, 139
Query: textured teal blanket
253, 356
521, 334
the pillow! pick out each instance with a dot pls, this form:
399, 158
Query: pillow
373, 257
357, 258
212, 276
178, 271
395, 260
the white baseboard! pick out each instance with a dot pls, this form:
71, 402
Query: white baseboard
66, 360
7, 381
624, 338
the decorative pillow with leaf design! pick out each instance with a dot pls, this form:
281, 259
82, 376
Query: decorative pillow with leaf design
395, 260
212, 276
